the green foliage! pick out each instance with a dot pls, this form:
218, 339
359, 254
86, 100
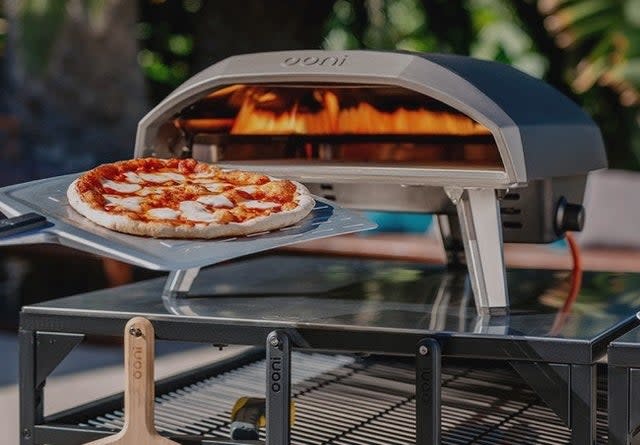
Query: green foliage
399, 24
166, 42
603, 38
604, 35
501, 36
159, 70
94, 9
39, 22
488, 29
4, 28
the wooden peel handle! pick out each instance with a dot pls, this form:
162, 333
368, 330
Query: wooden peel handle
139, 391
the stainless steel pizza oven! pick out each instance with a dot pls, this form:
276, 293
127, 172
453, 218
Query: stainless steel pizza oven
495, 153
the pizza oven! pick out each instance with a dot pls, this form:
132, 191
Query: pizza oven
496, 154
362, 350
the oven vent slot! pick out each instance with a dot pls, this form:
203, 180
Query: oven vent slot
511, 215
512, 224
510, 210
512, 196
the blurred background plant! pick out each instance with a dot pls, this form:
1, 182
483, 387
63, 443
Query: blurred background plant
589, 49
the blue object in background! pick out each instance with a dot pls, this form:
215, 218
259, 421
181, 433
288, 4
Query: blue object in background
400, 222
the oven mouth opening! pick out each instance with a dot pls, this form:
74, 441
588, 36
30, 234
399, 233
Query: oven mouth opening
347, 150
334, 123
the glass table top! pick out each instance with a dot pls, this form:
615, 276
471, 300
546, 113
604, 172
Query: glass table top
356, 294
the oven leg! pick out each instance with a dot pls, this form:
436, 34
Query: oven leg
31, 395
428, 392
177, 286
583, 404
481, 227
278, 388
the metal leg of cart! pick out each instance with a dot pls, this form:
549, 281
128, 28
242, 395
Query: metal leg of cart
31, 401
618, 394
624, 405
278, 389
569, 390
40, 354
428, 392
583, 404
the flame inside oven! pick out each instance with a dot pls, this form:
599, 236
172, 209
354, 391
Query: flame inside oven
336, 123
320, 111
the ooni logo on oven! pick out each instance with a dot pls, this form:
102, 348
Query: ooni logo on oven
313, 61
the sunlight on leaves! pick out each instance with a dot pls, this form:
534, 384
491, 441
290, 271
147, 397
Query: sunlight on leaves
180, 44
501, 37
406, 16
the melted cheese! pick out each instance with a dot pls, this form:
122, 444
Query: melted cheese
159, 178
216, 187
163, 213
194, 211
121, 187
150, 191
133, 177
204, 175
216, 201
249, 189
261, 205
129, 202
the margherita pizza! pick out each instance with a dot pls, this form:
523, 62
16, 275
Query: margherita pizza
184, 198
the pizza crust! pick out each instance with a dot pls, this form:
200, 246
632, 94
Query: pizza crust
159, 229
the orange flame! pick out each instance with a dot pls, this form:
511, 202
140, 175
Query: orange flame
363, 118
272, 111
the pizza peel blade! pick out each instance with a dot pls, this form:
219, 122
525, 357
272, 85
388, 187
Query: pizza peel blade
65, 226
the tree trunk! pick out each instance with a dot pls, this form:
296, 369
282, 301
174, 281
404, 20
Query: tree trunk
77, 89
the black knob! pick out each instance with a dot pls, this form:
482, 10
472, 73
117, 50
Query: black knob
569, 217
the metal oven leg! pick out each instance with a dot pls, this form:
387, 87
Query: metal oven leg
583, 404
428, 392
178, 286
278, 388
479, 219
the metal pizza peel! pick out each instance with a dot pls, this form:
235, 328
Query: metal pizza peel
53, 220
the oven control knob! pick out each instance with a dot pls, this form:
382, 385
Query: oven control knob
569, 217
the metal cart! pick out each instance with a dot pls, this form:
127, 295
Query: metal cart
381, 346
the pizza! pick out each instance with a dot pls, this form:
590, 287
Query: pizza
184, 198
